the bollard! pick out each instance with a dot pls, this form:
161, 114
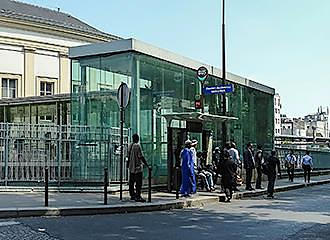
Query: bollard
106, 183
149, 184
46, 187
176, 182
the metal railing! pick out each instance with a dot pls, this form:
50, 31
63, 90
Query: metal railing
71, 153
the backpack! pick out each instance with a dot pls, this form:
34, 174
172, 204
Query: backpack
265, 168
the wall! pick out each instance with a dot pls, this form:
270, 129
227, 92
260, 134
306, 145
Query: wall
32, 57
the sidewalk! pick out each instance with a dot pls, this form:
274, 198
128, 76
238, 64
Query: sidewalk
27, 204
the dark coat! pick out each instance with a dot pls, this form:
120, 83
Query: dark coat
248, 159
272, 162
228, 170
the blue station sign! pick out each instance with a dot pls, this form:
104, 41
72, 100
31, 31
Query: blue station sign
220, 89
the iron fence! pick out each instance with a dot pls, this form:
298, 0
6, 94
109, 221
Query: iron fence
71, 153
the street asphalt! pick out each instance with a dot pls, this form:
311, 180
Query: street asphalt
297, 214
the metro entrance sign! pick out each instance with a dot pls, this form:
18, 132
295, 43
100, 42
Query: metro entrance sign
220, 89
202, 73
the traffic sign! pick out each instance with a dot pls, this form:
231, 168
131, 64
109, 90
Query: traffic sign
220, 89
123, 95
202, 73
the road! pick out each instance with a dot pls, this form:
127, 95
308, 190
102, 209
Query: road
298, 214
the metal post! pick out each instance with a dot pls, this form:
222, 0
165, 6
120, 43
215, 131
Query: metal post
202, 96
176, 182
121, 143
106, 183
46, 187
6, 152
149, 184
224, 104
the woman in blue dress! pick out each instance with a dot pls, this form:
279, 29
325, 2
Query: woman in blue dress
188, 185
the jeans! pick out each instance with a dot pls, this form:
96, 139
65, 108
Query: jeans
207, 178
135, 179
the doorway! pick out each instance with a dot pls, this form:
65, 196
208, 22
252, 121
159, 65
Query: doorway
176, 140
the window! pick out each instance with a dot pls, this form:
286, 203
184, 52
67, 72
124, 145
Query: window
46, 118
8, 88
46, 88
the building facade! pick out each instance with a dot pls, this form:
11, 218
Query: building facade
34, 43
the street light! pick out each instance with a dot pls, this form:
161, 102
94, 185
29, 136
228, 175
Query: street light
224, 107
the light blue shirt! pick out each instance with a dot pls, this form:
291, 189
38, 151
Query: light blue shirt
307, 160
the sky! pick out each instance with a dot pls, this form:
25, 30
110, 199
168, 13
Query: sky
280, 43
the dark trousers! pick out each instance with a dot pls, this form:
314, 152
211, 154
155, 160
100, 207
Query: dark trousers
271, 184
248, 178
290, 171
307, 172
259, 175
229, 191
135, 179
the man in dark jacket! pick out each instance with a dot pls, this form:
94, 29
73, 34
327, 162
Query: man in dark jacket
228, 171
258, 158
248, 160
271, 164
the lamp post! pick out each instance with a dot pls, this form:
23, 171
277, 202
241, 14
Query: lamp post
224, 107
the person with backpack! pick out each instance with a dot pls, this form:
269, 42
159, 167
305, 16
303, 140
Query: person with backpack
269, 168
228, 171
307, 164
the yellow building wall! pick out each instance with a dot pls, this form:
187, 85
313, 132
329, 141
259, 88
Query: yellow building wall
29, 85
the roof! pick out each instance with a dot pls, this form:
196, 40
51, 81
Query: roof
24, 11
131, 44
197, 116
35, 99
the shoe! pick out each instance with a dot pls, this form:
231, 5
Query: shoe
228, 200
132, 198
251, 189
270, 196
140, 199
260, 188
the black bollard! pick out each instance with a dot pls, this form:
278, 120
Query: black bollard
149, 184
106, 183
176, 182
46, 187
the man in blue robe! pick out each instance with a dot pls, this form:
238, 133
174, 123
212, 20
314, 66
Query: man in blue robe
188, 185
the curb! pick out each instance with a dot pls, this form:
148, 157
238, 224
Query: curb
142, 207
279, 189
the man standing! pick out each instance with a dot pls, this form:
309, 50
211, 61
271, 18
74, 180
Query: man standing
290, 162
194, 151
248, 165
258, 161
271, 164
307, 164
233, 152
188, 185
135, 165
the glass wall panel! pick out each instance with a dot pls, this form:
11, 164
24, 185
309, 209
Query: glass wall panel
159, 87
